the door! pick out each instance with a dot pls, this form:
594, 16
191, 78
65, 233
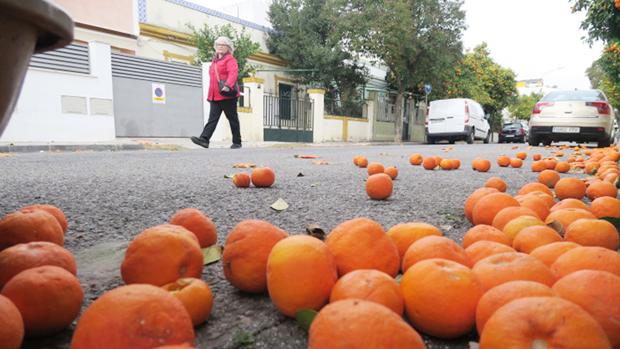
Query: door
285, 92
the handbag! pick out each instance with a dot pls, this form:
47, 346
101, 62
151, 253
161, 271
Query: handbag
221, 83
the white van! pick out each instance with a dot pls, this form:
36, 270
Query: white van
456, 119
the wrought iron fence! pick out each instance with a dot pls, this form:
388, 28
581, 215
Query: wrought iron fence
287, 113
386, 110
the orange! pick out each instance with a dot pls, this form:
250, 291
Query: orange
601, 188
598, 293
370, 285
263, 177
509, 266
196, 297
300, 274
535, 203
593, 232
591, 167
11, 325
357, 158
36, 225
570, 203
198, 223
429, 163
562, 167
353, 323
536, 157
162, 254
362, 162
392, 172
180, 346
587, 257
533, 187
484, 248
542, 322
246, 251
550, 163
481, 165
456, 164
497, 183
241, 180
521, 155
528, 239
516, 163
489, 205
49, 298
441, 297
404, 234
503, 161
434, 247
538, 166
606, 207
20, 257
472, 200
512, 228
51, 209
509, 213
482, 232
570, 188
416, 159
446, 164
374, 168
361, 243
549, 178
566, 216
134, 316
505, 293
548, 254
379, 186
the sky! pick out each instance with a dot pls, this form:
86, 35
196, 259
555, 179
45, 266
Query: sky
537, 39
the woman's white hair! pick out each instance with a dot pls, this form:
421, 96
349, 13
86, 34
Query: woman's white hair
222, 40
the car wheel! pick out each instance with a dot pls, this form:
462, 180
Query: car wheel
533, 141
430, 140
452, 141
487, 139
604, 143
470, 137
546, 142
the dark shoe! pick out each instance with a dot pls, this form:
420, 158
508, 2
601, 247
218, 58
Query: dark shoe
235, 146
200, 141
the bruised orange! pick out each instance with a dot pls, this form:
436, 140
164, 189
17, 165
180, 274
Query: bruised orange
196, 297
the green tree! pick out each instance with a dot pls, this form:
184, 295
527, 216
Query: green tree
205, 37
602, 21
415, 39
522, 106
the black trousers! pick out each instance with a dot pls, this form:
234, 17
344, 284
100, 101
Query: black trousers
229, 107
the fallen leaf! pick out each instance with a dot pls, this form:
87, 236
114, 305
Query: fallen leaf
315, 231
305, 317
229, 176
279, 205
306, 156
211, 254
446, 227
244, 165
320, 162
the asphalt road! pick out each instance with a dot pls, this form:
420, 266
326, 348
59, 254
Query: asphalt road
109, 197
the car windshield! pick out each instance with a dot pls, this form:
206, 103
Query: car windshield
512, 126
584, 95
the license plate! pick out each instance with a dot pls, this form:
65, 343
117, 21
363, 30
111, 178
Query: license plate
558, 129
510, 136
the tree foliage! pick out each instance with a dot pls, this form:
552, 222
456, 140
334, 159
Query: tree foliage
522, 106
604, 74
205, 37
602, 21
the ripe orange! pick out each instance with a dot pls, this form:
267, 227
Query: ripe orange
416, 159
536, 157
370, 285
549, 178
562, 167
512, 228
36, 225
49, 298
379, 186
485, 248
516, 163
522, 155
456, 164
429, 163
548, 254
357, 158
361, 243
587, 257
570, 188
533, 187
566, 216
374, 168
441, 297
497, 183
362, 162
241, 180
196, 297
472, 200
570, 203
530, 238
593, 232
481, 165
446, 164
509, 266
353, 323
198, 223
404, 234
550, 163
434, 247
51, 209
535, 203
484, 232
489, 205
503, 161
505, 293
601, 188
606, 207
11, 325
509, 213
542, 322
538, 166
263, 177
392, 172
134, 316
300, 274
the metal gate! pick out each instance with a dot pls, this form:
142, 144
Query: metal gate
155, 98
287, 119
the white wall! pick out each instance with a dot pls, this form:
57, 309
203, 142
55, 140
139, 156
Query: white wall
38, 116
358, 130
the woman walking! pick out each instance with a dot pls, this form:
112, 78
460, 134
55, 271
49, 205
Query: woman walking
223, 93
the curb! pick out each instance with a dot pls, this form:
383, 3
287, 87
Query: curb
70, 148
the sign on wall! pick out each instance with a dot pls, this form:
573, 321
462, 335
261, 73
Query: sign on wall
159, 93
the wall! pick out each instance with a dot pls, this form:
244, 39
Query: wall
117, 15
383, 131
38, 116
358, 130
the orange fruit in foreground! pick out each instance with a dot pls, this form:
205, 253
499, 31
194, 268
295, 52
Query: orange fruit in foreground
300, 274
20, 257
509, 213
198, 223
533, 187
489, 205
481, 165
548, 254
515, 226
473, 198
542, 322
550, 163
374, 168
497, 183
593, 232
196, 297
605, 207
246, 251
601, 188
36, 225
547, 198
392, 172
535, 203
370, 285
566, 216
51, 209
441, 297
598, 293
263, 177
161, 255
434, 247
379, 186
429, 163
49, 298
503, 267
241, 180
587, 257
549, 178
484, 232
516, 163
538, 166
570, 188
503, 161
361, 243
404, 234
505, 293
530, 238
570, 203
134, 316
11, 325
416, 159
354, 323
485, 248
562, 167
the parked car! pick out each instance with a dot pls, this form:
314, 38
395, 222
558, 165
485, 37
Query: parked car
513, 132
573, 116
456, 119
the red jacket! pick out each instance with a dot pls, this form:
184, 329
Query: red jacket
228, 70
